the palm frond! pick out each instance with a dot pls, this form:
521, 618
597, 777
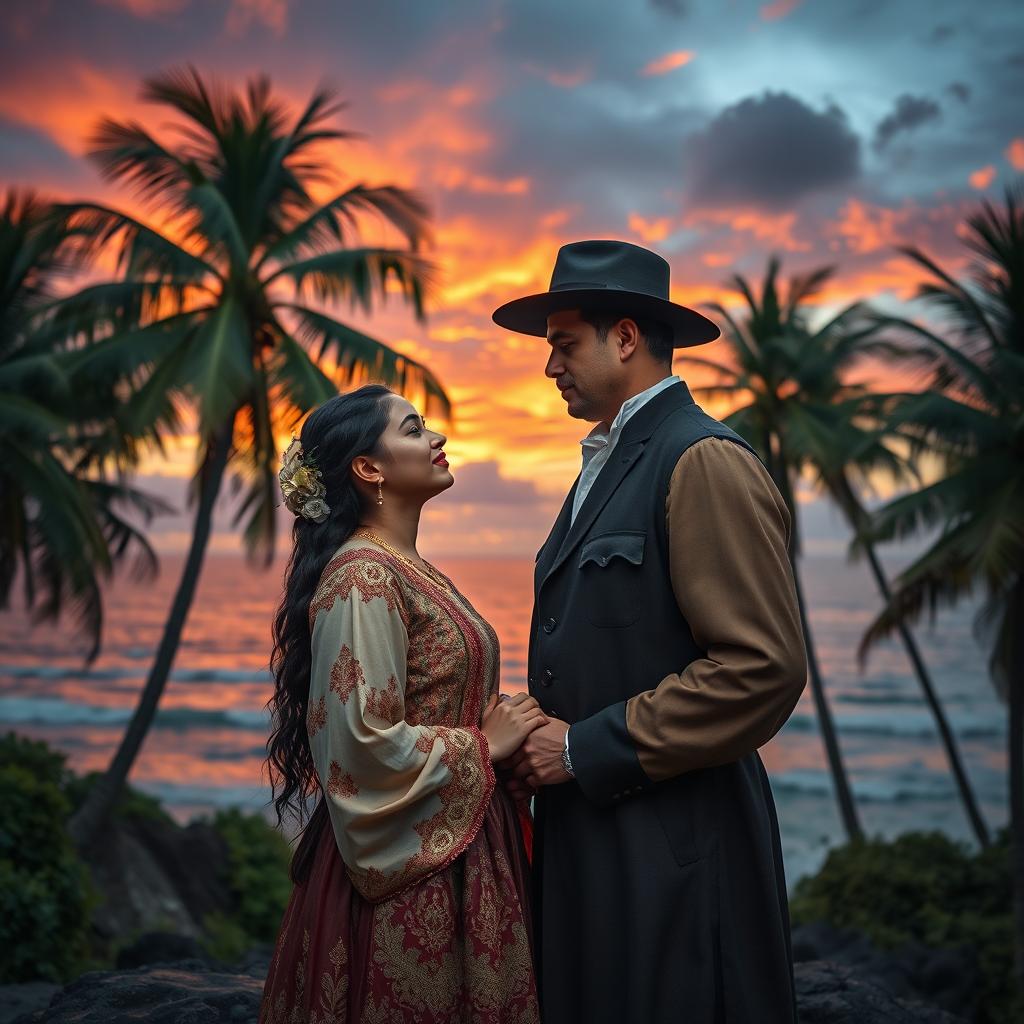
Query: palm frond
362, 358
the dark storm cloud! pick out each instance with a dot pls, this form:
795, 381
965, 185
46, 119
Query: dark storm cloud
909, 112
26, 150
941, 33
611, 159
677, 8
771, 150
960, 90
562, 38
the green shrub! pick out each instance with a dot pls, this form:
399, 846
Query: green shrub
258, 858
131, 805
44, 888
924, 887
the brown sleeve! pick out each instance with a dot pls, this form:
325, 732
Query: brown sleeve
728, 528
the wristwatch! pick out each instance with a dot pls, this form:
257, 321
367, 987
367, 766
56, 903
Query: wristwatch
566, 760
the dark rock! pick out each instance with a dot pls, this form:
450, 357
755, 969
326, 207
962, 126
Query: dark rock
183, 993
828, 993
190, 992
946, 978
159, 948
16, 1000
157, 876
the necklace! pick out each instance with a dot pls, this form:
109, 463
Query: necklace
427, 570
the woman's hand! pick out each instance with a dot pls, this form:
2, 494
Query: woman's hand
508, 722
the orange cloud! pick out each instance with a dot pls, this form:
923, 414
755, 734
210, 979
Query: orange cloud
67, 106
982, 178
775, 229
650, 230
146, 8
1015, 154
271, 13
778, 9
865, 228
563, 79
555, 219
453, 177
671, 61
717, 259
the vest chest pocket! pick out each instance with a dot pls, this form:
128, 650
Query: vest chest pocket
612, 572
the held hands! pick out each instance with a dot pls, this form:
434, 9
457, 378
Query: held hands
507, 723
538, 762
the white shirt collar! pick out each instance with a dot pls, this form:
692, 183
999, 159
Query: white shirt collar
602, 436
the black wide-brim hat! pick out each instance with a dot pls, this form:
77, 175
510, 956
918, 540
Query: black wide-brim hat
613, 277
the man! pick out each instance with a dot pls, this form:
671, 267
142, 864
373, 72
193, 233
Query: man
666, 648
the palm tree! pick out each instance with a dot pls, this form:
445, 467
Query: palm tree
766, 346
838, 432
61, 526
973, 418
209, 321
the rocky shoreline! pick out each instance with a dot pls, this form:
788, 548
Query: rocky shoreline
198, 991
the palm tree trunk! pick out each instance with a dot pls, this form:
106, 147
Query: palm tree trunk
1013, 647
844, 794
858, 520
778, 469
90, 817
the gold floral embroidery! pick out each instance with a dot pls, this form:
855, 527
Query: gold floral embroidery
430, 917
334, 988
341, 784
417, 981
333, 1008
385, 703
443, 836
423, 963
316, 717
363, 569
346, 674
448, 938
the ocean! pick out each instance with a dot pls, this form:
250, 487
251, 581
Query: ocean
207, 746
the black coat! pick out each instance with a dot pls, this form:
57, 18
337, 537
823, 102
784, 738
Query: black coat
654, 902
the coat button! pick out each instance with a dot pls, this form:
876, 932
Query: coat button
547, 678
549, 626
603, 560
529, 681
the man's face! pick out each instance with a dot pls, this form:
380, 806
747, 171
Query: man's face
587, 371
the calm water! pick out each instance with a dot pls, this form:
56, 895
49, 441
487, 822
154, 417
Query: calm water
207, 746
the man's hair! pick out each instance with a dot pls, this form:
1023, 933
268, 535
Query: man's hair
658, 336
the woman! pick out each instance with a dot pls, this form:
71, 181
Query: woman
410, 896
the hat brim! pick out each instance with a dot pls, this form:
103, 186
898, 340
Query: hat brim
529, 315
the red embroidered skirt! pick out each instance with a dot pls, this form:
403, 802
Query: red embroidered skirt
456, 946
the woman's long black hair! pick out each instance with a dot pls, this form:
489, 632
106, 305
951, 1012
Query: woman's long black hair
333, 435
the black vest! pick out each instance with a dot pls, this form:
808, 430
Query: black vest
606, 625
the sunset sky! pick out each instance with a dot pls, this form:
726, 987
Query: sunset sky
715, 131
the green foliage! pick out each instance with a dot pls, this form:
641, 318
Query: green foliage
924, 887
131, 804
62, 527
44, 888
225, 938
229, 309
258, 858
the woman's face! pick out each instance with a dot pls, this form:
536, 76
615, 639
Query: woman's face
412, 457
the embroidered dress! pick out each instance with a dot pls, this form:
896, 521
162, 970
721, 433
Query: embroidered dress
415, 908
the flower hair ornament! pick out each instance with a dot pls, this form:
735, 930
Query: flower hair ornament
301, 484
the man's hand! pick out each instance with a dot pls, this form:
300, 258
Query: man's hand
538, 762
520, 792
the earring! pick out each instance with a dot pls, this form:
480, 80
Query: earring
380, 492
